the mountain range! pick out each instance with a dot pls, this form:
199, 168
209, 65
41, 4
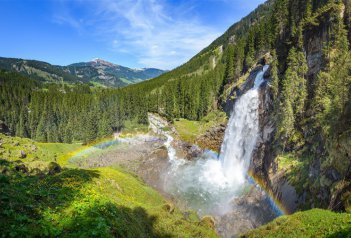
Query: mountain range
97, 72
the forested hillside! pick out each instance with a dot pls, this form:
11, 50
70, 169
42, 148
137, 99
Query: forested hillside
62, 113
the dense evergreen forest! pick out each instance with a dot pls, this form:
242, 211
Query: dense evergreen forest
62, 113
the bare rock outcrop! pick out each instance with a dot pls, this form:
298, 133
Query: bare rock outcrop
212, 138
186, 150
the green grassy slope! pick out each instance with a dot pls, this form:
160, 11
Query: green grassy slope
105, 202
190, 130
312, 223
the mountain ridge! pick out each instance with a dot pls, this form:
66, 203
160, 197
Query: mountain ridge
98, 72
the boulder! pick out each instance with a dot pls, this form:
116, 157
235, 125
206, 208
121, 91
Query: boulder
23, 154
160, 152
34, 148
21, 168
169, 207
54, 168
187, 151
212, 138
208, 221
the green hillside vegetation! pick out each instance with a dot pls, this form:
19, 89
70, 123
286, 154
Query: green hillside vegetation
312, 223
71, 202
38, 70
33, 154
194, 89
189, 130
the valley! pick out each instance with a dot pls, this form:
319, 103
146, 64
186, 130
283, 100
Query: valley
249, 138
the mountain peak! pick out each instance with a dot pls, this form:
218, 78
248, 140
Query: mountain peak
102, 62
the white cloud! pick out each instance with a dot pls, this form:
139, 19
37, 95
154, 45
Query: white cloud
155, 33
63, 16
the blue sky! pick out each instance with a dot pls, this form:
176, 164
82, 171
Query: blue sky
133, 33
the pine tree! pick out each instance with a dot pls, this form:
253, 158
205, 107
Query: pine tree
90, 127
230, 71
40, 134
274, 72
332, 86
294, 93
104, 126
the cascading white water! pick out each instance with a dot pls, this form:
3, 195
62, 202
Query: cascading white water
241, 134
209, 184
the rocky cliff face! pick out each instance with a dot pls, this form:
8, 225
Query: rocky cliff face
264, 166
327, 185
228, 104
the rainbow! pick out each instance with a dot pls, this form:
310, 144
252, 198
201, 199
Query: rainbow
90, 148
85, 150
277, 205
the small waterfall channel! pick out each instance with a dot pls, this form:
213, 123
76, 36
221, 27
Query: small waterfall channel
209, 184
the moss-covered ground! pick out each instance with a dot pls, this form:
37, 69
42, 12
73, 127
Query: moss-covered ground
312, 223
104, 202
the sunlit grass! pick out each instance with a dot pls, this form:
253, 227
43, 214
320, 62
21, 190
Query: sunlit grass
312, 223
189, 130
103, 202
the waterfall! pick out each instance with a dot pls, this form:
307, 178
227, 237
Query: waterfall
209, 184
241, 133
